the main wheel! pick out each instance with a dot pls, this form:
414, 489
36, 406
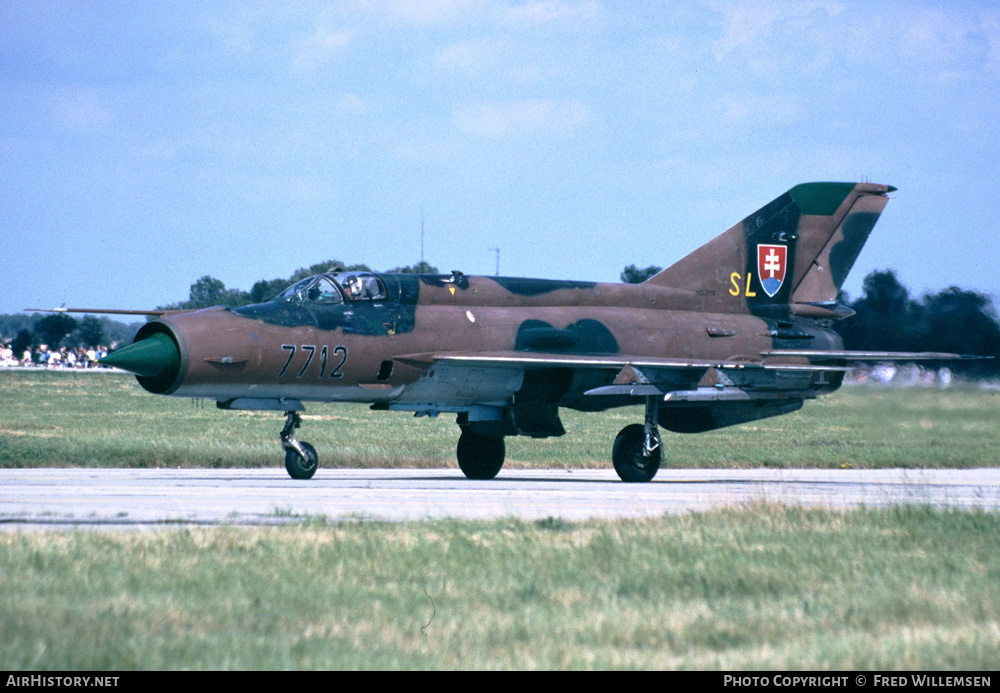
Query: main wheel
299, 468
630, 464
479, 456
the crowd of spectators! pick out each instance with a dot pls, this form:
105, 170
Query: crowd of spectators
43, 357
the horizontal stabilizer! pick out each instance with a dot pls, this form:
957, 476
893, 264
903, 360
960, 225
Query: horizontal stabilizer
818, 355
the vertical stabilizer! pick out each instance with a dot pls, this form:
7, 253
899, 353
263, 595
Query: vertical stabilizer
797, 250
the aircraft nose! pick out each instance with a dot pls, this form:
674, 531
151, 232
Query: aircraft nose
149, 357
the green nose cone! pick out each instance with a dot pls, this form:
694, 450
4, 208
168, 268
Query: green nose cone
149, 357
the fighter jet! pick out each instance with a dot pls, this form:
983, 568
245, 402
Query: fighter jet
738, 330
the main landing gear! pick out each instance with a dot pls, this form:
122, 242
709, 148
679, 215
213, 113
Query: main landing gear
300, 458
480, 456
637, 450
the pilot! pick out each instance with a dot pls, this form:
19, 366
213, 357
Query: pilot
352, 287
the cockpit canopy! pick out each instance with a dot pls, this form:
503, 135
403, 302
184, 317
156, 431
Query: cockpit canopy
335, 288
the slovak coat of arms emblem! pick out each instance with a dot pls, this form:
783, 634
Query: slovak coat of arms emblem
771, 264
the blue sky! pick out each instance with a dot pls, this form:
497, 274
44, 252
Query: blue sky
143, 145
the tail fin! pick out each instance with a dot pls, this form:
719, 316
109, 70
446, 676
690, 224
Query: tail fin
795, 250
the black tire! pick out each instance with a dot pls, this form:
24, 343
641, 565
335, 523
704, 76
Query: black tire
480, 457
631, 466
299, 468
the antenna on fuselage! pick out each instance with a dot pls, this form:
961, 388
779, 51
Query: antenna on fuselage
497, 251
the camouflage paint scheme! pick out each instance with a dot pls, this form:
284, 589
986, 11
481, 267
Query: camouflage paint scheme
704, 344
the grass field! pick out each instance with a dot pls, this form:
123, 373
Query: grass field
107, 420
762, 588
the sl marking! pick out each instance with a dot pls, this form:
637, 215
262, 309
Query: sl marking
735, 278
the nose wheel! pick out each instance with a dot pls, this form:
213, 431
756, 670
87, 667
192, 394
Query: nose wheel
638, 449
301, 460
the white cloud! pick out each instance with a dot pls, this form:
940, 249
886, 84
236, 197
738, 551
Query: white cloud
573, 13
420, 12
162, 149
436, 11
991, 30
763, 110
742, 25
495, 60
473, 56
540, 12
319, 48
81, 111
745, 24
351, 105
520, 117
945, 41
233, 36
296, 188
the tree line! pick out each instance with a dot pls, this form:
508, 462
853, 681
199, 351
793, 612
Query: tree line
887, 318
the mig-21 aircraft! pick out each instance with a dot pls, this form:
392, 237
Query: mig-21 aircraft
738, 330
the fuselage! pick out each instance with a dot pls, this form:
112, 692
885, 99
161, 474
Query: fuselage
367, 348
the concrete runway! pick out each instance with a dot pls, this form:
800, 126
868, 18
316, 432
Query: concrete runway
134, 498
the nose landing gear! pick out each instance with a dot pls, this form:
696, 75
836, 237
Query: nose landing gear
301, 460
637, 450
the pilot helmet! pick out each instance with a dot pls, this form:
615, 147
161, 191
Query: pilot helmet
353, 287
